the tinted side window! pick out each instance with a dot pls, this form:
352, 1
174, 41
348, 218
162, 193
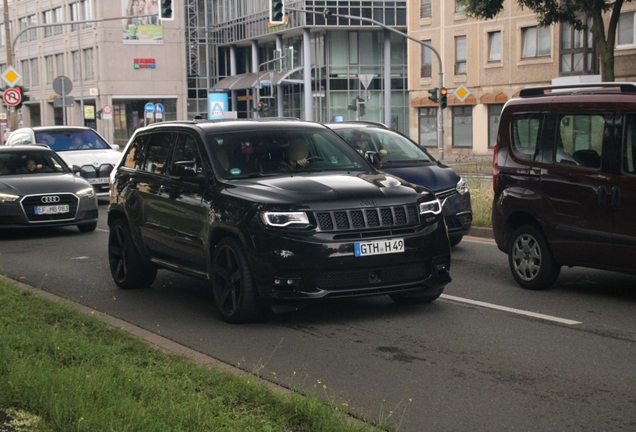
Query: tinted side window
158, 151
132, 158
186, 156
579, 140
629, 145
526, 130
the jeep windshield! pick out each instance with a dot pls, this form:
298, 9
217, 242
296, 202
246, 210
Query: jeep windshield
69, 140
266, 153
392, 146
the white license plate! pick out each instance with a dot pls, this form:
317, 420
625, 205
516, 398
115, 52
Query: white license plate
379, 247
100, 180
49, 210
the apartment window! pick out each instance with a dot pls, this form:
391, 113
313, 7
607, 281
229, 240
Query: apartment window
577, 50
75, 15
460, 55
50, 70
59, 64
33, 21
47, 18
23, 23
425, 9
76, 65
24, 65
463, 126
87, 6
494, 46
89, 73
59, 17
494, 113
3, 36
428, 127
35, 72
427, 61
459, 6
626, 31
536, 42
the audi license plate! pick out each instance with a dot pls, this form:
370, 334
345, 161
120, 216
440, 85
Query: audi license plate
378, 247
99, 180
51, 210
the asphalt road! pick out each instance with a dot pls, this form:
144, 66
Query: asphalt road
451, 365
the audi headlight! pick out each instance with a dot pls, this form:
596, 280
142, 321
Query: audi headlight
86, 193
431, 207
283, 219
462, 186
7, 198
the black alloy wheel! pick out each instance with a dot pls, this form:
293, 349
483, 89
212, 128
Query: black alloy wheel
234, 291
126, 266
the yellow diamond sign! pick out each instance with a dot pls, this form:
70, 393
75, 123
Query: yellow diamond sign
11, 76
461, 93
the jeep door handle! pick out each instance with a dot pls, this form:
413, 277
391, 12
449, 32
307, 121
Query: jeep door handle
602, 197
616, 198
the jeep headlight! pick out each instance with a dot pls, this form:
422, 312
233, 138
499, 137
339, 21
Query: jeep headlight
462, 186
283, 219
86, 193
431, 207
7, 198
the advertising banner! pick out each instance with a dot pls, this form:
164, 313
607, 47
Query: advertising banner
218, 104
141, 30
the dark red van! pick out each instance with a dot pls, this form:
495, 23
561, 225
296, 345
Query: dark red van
564, 177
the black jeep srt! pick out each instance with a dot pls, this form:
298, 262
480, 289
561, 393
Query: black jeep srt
271, 213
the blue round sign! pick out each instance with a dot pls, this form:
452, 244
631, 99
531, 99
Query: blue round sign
149, 107
159, 108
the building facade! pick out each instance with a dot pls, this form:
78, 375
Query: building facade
119, 63
494, 59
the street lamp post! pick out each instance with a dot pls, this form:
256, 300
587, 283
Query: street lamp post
440, 118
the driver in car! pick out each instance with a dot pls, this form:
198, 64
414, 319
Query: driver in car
297, 154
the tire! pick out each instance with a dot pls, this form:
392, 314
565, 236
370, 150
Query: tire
234, 290
126, 266
454, 241
89, 227
415, 298
530, 259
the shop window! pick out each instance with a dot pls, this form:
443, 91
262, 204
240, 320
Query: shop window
463, 126
494, 113
428, 127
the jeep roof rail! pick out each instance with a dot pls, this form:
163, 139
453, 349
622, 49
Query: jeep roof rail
625, 87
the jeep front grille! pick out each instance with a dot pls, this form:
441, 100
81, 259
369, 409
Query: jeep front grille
370, 218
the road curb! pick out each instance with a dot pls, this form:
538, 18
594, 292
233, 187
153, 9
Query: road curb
483, 232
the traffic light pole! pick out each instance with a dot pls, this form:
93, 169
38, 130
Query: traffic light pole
440, 118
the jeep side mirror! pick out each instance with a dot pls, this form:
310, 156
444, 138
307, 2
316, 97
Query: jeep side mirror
374, 159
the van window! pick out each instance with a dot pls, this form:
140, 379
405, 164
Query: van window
629, 145
525, 135
580, 140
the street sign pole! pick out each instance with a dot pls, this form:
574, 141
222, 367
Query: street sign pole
13, 121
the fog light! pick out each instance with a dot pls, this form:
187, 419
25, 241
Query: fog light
277, 281
440, 268
290, 281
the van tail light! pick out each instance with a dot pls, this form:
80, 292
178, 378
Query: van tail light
495, 167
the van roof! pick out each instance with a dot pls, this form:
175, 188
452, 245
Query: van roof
581, 88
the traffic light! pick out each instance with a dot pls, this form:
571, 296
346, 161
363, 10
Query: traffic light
98, 114
25, 96
433, 96
259, 107
166, 11
276, 11
362, 105
442, 99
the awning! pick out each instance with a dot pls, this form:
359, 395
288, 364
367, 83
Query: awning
250, 80
493, 98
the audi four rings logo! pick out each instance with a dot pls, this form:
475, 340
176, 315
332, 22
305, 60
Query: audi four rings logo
50, 199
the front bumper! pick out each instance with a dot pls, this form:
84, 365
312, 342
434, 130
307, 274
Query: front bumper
18, 214
458, 213
317, 266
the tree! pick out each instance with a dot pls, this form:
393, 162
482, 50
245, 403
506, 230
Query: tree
570, 12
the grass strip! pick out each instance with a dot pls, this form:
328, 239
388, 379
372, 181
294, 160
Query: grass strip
78, 373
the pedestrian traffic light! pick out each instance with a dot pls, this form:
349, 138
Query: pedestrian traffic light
166, 11
443, 96
276, 11
433, 95
98, 114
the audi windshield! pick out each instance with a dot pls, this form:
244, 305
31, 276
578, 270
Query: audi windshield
30, 162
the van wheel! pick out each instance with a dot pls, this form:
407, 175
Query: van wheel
126, 266
234, 290
530, 259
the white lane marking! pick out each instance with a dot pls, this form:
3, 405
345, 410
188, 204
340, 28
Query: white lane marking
482, 240
101, 229
512, 310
